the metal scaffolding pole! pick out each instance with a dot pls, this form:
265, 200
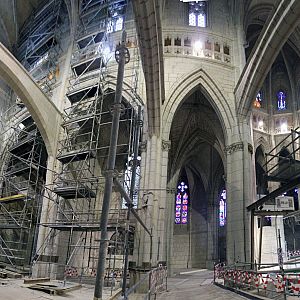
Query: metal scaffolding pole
122, 57
132, 188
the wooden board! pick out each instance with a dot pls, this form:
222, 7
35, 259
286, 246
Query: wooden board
55, 288
35, 280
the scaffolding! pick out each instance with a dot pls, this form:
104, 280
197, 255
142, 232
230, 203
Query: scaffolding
283, 167
39, 43
83, 150
23, 174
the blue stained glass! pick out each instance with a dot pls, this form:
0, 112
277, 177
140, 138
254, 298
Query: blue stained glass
281, 103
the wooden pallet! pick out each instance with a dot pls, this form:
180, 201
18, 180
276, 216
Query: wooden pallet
55, 288
36, 280
10, 274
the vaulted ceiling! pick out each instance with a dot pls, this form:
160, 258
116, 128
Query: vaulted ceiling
13, 14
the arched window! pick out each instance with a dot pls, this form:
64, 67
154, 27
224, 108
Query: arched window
181, 204
281, 103
198, 13
222, 209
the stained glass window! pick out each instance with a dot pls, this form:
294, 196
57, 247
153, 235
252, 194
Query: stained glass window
258, 100
181, 204
222, 208
198, 13
281, 103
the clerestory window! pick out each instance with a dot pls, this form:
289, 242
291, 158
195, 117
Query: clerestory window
198, 14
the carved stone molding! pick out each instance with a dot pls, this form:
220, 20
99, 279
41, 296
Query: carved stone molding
239, 146
250, 148
143, 146
165, 145
171, 190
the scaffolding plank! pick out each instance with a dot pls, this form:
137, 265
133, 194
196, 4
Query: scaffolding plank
82, 94
74, 227
285, 172
76, 156
20, 146
79, 119
74, 192
55, 288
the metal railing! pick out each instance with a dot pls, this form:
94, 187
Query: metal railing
150, 285
268, 281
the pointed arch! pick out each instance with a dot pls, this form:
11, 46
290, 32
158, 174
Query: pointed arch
274, 35
212, 91
263, 143
43, 111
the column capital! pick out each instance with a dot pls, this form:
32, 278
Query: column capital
239, 146
171, 189
143, 146
165, 145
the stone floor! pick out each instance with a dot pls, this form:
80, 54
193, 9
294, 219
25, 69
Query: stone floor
197, 284
13, 289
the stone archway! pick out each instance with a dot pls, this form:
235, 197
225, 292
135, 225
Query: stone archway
196, 157
275, 33
187, 85
43, 111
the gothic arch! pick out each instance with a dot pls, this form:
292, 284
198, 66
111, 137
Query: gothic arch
275, 33
261, 141
43, 111
213, 93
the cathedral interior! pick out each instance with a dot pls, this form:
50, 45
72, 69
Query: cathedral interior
139, 134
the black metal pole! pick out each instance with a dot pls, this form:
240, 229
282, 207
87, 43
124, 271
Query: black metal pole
116, 110
131, 194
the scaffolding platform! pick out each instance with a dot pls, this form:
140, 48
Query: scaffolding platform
82, 94
94, 38
285, 171
11, 226
73, 156
21, 145
19, 171
80, 120
74, 192
88, 66
67, 226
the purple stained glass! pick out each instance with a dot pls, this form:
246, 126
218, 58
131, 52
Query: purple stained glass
178, 198
181, 207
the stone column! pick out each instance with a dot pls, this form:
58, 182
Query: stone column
239, 190
212, 229
48, 215
152, 206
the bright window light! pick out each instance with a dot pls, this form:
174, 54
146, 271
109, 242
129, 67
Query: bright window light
284, 127
198, 45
